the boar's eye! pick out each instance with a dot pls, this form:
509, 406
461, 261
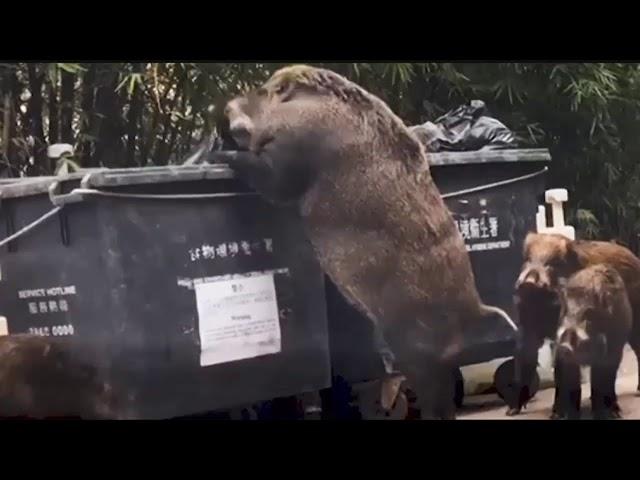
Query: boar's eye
555, 263
285, 92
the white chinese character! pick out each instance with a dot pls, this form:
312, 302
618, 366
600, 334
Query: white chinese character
53, 306
33, 308
474, 228
194, 254
233, 248
208, 252
464, 229
246, 248
221, 250
493, 226
64, 307
268, 245
43, 307
484, 229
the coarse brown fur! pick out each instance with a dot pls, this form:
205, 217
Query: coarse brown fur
361, 183
595, 323
549, 258
40, 378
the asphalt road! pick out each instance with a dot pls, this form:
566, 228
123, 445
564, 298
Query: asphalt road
490, 407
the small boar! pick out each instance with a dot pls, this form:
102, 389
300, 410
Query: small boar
548, 260
595, 322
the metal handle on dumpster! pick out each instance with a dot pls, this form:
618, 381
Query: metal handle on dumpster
81, 192
489, 186
31, 226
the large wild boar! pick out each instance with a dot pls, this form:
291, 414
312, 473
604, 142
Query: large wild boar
361, 183
595, 323
548, 259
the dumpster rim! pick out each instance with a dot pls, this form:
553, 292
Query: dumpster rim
443, 159
117, 177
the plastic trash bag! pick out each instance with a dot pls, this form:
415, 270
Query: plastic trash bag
467, 128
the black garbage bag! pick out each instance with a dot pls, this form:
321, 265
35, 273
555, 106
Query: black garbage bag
467, 128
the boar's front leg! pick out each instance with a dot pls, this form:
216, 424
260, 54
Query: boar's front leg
568, 386
526, 363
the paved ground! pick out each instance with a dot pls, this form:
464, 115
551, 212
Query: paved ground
490, 407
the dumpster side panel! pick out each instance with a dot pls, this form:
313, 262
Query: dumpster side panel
168, 247
53, 279
123, 279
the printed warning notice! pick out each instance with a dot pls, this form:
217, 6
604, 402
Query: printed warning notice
238, 319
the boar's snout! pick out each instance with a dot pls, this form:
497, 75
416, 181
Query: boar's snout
574, 341
533, 278
240, 125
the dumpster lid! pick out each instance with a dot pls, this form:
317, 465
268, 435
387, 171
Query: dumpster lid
146, 175
489, 156
104, 177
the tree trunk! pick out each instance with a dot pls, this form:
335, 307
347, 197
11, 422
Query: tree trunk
174, 130
54, 112
164, 151
87, 108
7, 121
66, 107
34, 116
108, 129
149, 146
133, 119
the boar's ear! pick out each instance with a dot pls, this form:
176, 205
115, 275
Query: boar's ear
572, 258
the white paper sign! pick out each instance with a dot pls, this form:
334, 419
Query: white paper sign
238, 319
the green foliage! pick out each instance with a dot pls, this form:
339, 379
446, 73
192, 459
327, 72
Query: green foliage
152, 113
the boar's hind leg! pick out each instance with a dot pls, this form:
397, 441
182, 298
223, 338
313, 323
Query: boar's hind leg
435, 390
430, 377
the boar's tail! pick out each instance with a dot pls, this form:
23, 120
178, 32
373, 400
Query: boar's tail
501, 313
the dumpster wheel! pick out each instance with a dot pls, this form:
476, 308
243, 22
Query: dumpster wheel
503, 381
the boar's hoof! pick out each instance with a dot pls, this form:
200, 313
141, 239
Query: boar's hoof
512, 412
607, 414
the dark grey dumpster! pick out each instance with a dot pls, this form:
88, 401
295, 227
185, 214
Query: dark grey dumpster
197, 294
493, 196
